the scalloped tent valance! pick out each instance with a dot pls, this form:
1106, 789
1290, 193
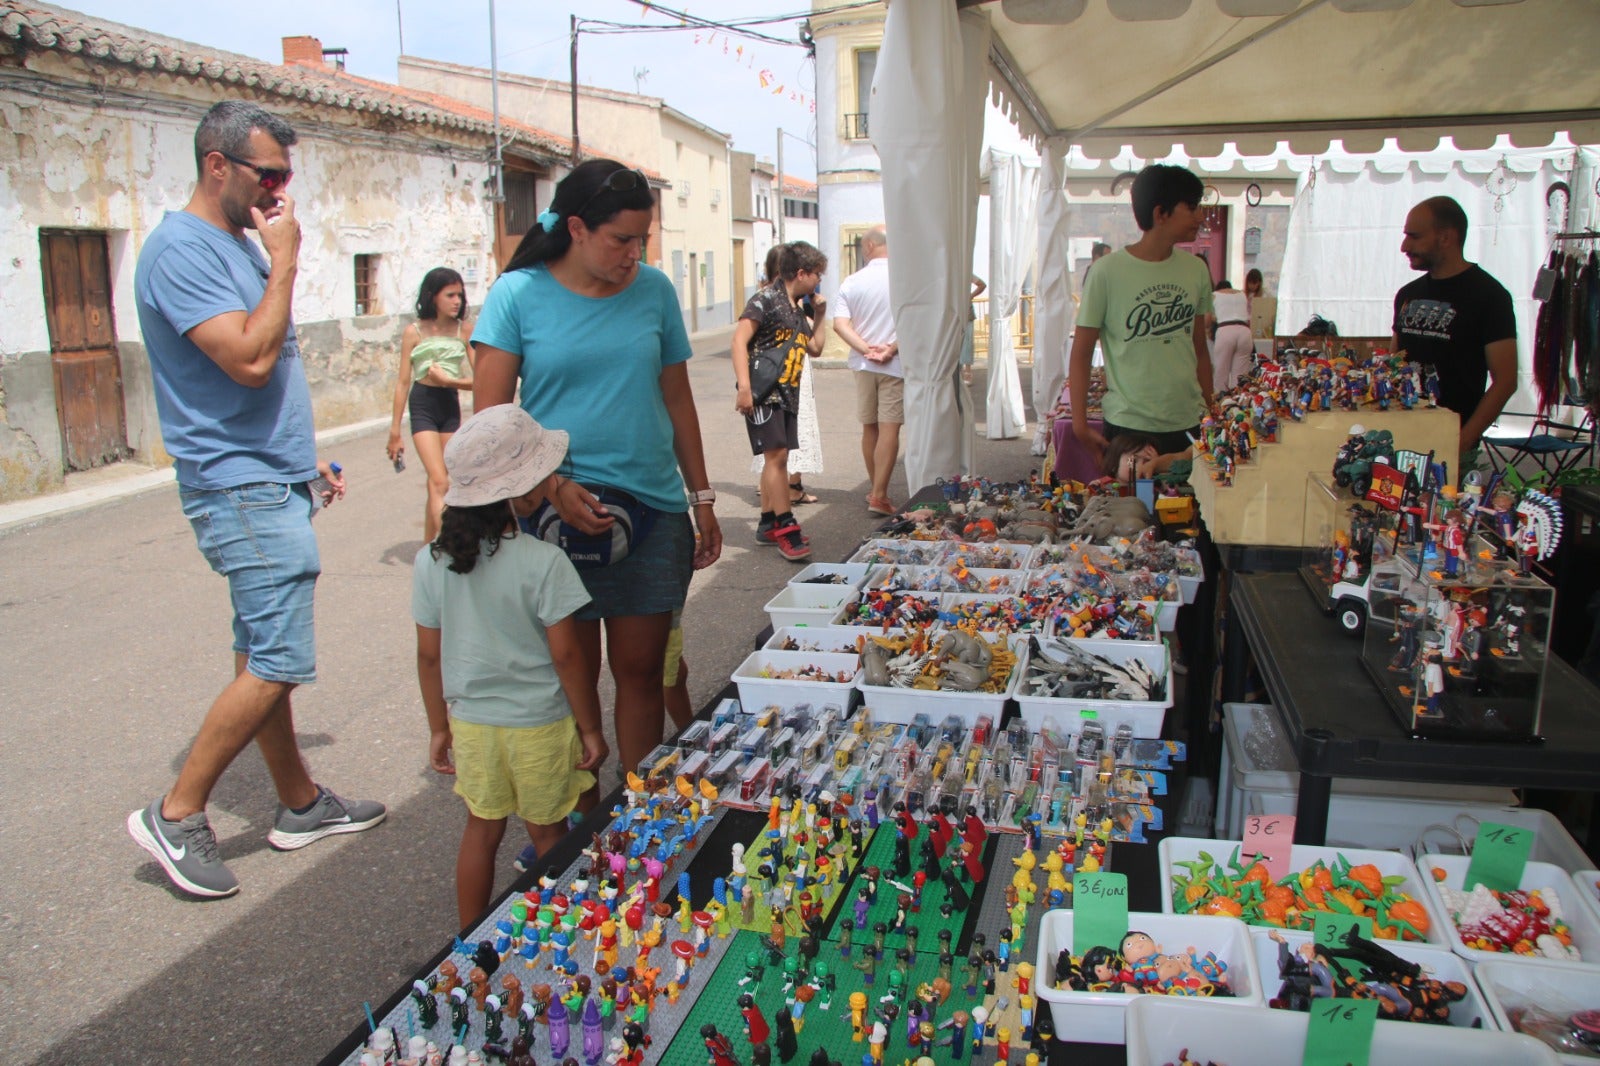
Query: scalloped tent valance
1296, 74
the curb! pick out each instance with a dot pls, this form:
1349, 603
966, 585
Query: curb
20, 513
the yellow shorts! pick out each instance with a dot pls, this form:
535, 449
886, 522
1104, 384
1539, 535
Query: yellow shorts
879, 398
530, 772
669, 666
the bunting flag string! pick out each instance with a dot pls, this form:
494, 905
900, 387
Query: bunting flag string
744, 55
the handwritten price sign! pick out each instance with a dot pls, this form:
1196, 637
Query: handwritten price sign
1269, 838
1099, 911
1331, 927
1340, 1032
1498, 856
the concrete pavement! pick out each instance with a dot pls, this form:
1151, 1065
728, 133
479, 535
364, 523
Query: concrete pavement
114, 639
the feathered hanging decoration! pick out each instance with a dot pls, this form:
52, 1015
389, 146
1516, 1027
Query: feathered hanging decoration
1549, 340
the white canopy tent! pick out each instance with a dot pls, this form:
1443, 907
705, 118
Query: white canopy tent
1343, 262
1098, 75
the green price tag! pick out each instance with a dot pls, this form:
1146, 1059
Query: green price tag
1330, 927
1498, 856
1099, 911
1089, 715
1340, 1032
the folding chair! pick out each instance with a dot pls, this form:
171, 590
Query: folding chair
1553, 445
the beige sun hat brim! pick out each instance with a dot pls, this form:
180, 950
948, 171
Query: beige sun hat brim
500, 454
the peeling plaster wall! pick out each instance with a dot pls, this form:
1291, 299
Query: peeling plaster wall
413, 196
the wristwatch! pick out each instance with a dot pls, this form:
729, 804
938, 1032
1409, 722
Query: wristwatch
703, 496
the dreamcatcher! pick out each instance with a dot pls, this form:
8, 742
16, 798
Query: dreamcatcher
1500, 184
1209, 200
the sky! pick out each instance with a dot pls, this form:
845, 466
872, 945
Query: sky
721, 90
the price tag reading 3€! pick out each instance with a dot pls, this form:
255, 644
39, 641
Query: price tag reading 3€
1269, 838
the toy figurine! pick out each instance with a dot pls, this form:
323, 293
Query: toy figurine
560, 1027
1024, 979
846, 936
594, 1041
1432, 687
862, 904
787, 1045
720, 1047
427, 1007
974, 969
876, 1042
858, 1016
954, 890
1002, 951
1407, 625
755, 1023
868, 965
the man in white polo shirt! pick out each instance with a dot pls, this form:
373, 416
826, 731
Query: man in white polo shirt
865, 321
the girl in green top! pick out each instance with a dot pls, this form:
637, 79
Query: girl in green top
435, 364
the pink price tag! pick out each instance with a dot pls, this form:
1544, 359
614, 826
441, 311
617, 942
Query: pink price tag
1268, 837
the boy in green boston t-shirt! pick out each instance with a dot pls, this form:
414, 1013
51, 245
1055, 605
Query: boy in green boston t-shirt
1146, 306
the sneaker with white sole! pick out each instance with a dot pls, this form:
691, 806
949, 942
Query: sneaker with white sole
186, 850
329, 815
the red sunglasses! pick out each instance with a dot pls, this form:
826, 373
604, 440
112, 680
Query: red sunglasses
269, 177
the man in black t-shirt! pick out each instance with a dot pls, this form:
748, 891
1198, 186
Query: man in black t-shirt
1457, 318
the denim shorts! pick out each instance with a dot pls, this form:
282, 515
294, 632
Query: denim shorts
653, 579
259, 537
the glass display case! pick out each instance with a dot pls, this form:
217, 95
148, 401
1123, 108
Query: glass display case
1343, 543
1457, 643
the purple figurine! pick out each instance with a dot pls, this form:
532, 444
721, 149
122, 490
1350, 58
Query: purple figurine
863, 903
560, 1027
594, 1037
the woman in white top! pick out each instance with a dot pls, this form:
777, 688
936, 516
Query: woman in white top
1231, 350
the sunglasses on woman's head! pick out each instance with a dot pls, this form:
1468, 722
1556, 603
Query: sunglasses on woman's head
269, 177
624, 180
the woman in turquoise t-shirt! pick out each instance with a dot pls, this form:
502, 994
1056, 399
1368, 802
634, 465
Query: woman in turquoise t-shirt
598, 342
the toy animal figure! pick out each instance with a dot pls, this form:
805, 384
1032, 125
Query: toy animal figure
1108, 516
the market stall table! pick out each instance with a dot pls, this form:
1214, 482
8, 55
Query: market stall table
1339, 725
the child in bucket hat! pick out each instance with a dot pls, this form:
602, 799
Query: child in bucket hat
497, 653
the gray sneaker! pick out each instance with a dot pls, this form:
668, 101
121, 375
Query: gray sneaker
330, 814
186, 850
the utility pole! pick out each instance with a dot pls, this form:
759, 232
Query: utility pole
576, 153
400, 26
494, 104
780, 186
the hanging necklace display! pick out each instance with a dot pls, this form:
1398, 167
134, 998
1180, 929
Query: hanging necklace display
1500, 184
1209, 199
1252, 194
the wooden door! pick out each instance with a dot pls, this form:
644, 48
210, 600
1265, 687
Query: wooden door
1212, 243
83, 348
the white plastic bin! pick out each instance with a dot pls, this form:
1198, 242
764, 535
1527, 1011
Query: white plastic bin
836, 640
1158, 1027
1541, 875
1097, 1017
756, 692
901, 705
1587, 882
998, 556
853, 574
1143, 717
1173, 850
1509, 984
808, 605
1258, 763
1467, 1013
899, 552
1552, 843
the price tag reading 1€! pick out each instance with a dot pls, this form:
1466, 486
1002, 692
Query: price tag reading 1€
1268, 837
1099, 911
1498, 856
1340, 1032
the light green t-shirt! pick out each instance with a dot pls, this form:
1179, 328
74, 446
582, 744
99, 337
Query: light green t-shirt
1145, 313
496, 658
447, 353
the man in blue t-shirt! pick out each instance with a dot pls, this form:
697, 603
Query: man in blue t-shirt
236, 418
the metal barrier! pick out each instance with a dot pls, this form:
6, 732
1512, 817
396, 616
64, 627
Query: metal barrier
1020, 324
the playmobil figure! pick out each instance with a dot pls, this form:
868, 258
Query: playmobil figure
1432, 687
858, 1016
755, 1023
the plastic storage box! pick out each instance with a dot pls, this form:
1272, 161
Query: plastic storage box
1587, 882
1158, 1027
1173, 850
1258, 764
1509, 984
808, 605
1469, 1012
853, 574
1552, 843
1096, 1017
1143, 717
756, 692
902, 705
1585, 927
837, 640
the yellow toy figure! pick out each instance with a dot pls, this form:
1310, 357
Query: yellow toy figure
811, 818
1079, 825
1088, 865
719, 917
773, 818
607, 946
1054, 862
797, 814
1024, 864
1057, 882
1023, 981
858, 1016
673, 992
685, 916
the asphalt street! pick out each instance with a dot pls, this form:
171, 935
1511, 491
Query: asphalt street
114, 639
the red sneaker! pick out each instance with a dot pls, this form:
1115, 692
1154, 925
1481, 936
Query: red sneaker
791, 544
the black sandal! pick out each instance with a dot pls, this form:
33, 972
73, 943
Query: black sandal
803, 496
